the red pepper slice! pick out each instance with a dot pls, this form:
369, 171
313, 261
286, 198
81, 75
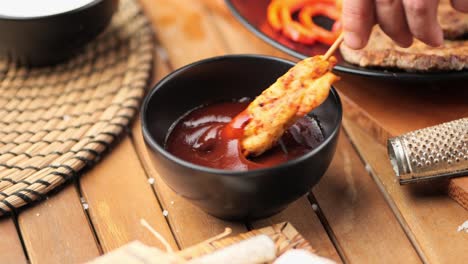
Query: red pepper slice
322, 35
305, 31
273, 16
294, 30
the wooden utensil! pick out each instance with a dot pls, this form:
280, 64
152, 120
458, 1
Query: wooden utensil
334, 46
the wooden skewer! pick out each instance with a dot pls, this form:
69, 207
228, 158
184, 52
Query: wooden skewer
157, 235
227, 232
333, 47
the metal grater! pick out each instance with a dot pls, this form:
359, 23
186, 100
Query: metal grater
429, 153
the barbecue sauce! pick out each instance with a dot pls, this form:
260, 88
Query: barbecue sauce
203, 137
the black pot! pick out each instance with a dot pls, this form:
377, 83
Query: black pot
232, 194
45, 40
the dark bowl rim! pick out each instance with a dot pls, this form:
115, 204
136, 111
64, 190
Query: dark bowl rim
160, 149
69, 12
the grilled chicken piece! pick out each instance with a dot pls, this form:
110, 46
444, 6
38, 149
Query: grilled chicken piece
304, 87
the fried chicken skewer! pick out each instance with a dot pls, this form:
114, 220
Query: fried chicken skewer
303, 88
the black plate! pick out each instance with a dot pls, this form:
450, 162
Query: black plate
252, 14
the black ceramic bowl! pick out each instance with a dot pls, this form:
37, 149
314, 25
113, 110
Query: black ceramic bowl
45, 40
232, 194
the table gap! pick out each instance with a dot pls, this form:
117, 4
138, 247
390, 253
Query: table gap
156, 195
14, 218
326, 226
88, 217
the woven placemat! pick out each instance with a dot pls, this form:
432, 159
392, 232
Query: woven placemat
284, 235
56, 121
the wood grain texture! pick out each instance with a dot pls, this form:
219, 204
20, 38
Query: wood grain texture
57, 230
392, 109
237, 38
301, 215
458, 190
362, 222
389, 109
354, 112
429, 216
119, 195
11, 250
184, 29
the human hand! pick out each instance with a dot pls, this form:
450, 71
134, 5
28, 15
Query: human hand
401, 20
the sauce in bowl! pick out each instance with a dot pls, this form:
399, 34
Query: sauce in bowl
203, 137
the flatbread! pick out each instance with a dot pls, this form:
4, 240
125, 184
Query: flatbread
454, 23
381, 51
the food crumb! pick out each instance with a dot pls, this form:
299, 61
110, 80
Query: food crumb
38, 214
463, 227
165, 213
368, 168
151, 181
172, 202
315, 207
162, 53
85, 206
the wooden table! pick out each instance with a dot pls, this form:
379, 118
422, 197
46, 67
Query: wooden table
356, 214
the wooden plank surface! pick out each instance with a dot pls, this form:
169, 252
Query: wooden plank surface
362, 222
184, 29
57, 230
11, 250
429, 216
396, 108
387, 109
119, 195
237, 38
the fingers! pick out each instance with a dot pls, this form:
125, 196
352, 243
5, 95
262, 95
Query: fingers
421, 16
400, 19
460, 5
391, 18
358, 18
